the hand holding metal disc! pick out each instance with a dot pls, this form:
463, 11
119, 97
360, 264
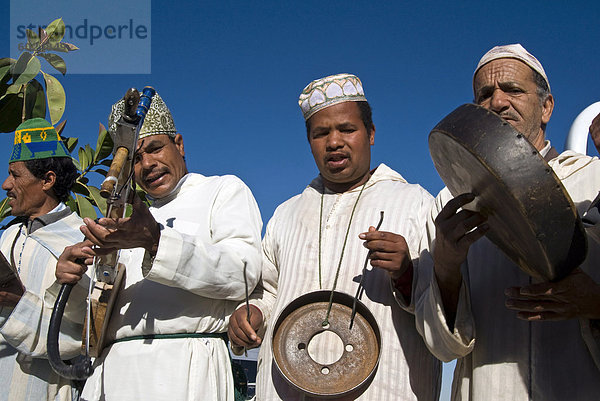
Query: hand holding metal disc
531, 216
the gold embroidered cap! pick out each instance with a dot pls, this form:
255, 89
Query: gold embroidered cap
158, 119
325, 92
515, 51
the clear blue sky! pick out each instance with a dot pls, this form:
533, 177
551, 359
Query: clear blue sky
231, 73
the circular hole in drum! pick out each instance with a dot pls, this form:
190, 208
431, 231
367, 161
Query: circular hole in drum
325, 370
325, 348
301, 346
349, 348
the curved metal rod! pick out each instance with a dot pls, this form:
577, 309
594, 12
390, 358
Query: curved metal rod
80, 370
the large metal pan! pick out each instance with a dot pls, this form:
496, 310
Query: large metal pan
531, 216
301, 321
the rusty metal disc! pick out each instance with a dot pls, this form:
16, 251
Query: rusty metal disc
301, 321
531, 216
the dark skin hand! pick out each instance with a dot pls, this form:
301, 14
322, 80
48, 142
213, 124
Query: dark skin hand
595, 132
71, 265
575, 296
138, 231
387, 251
455, 232
11, 292
243, 334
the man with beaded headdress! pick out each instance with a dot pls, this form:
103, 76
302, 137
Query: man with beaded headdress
187, 258
320, 238
514, 338
40, 176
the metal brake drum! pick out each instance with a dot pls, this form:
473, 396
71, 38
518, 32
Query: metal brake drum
531, 216
301, 321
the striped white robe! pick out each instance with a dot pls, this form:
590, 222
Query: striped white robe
500, 357
407, 371
25, 373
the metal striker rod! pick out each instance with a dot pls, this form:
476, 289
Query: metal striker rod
362, 277
247, 304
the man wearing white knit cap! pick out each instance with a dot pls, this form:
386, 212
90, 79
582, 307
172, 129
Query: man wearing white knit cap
514, 338
316, 241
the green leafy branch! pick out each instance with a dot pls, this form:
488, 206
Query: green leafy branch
86, 196
22, 95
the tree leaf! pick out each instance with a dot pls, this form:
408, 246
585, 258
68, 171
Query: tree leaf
71, 203
55, 61
25, 69
32, 38
35, 100
4, 209
101, 171
56, 30
76, 163
84, 162
56, 97
85, 207
104, 146
14, 89
98, 199
63, 47
71, 143
5, 66
11, 110
89, 153
80, 188
106, 162
43, 34
60, 127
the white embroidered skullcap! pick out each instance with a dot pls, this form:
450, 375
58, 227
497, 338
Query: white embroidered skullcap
325, 92
158, 119
515, 51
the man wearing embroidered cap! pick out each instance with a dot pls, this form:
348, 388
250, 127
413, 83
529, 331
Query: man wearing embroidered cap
40, 176
514, 337
322, 234
185, 257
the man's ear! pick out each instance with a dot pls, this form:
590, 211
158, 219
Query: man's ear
547, 108
49, 180
179, 144
372, 136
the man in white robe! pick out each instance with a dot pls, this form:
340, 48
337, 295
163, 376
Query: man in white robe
313, 233
41, 174
185, 259
514, 338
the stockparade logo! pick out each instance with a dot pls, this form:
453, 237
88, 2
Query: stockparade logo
91, 33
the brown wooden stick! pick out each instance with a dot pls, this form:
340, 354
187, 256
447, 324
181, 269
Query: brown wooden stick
113, 173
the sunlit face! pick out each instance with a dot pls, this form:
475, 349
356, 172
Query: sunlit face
159, 164
507, 87
341, 146
25, 192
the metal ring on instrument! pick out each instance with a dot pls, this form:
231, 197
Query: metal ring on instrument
302, 320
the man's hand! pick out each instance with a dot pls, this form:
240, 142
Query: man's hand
387, 251
575, 296
72, 262
138, 231
11, 292
243, 334
455, 232
595, 131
